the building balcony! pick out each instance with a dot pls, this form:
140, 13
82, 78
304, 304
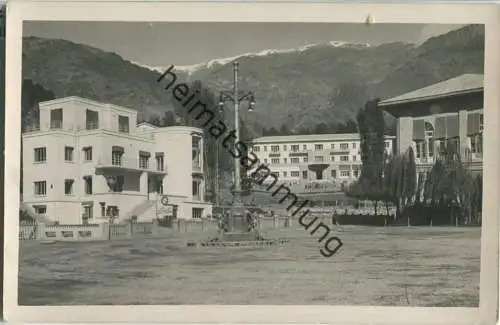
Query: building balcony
131, 165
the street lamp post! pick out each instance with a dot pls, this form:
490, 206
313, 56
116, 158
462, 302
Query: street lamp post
236, 97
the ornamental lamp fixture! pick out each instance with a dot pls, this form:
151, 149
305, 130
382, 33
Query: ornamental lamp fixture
251, 105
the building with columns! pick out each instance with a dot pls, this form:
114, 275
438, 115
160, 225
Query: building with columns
448, 111
86, 162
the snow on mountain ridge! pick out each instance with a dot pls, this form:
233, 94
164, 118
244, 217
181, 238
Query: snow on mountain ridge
189, 69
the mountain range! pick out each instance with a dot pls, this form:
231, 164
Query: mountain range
300, 88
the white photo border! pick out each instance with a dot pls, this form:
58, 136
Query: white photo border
151, 11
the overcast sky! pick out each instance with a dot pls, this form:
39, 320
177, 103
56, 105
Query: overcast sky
162, 44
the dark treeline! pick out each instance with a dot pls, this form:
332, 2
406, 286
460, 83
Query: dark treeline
349, 126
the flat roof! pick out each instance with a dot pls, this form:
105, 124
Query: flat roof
85, 101
310, 138
463, 84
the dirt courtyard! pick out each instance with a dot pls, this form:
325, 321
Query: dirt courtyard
432, 266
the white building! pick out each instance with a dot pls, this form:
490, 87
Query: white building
87, 160
303, 159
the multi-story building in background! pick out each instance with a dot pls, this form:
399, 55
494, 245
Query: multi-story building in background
87, 161
450, 111
317, 158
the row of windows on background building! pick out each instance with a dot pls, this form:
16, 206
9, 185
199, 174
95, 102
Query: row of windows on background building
333, 174
116, 156
91, 120
293, 161
296, 147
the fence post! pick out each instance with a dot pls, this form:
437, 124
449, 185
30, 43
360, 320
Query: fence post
106, 231
40, 233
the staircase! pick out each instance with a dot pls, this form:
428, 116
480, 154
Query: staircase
144, 211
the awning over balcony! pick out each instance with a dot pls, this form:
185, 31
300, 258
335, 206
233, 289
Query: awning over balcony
473, 123
144, 153
446, 127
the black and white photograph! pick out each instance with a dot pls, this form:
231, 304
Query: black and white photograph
252, 163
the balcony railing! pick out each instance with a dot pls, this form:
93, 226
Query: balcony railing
56, 124
129, 163
92, 125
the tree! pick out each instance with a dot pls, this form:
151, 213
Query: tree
371, 127
284, 130
169, 119
451, 186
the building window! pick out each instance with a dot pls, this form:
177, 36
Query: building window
144, 159
285, 147
354, 158
91, 119
40, 155
295, 174
294, 160
419, 152
68, 153
284, 160
123, 124
265, 160
265, 148
354, 145
275, 148
356, 173
332, 146
344, 158
256, 148
87, 154
344, 146
40, 188
344, 173
40, 209
387, 144
294, 148
196, 190
428, 149
68, 186
318, 158
160, 164
481, 123
304, 174
305, 159
304, 147
116, 156
476, 143
197, 213
117, 183
275, 161
334, 173
87, 214
318, 147
87, 180
56, 119
284, 174
332, 158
